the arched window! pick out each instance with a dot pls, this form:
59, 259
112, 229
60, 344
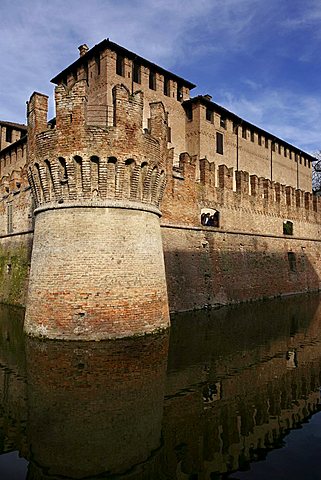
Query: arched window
287, 227
210, 217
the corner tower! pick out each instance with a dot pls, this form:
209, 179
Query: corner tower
97, 268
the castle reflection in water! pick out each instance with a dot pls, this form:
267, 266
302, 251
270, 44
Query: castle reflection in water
219, 391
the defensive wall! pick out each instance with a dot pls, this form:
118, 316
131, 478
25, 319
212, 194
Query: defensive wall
248, 255
92, 206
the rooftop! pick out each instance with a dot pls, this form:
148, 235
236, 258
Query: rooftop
205, 100
107, 44
19, 126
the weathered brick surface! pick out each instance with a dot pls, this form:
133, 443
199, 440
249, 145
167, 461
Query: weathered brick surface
97, 268
103, 405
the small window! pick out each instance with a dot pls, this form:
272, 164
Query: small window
189, 112
179, 93
22, 134
209, 114
235, 127
152, 80
9, 218
300, 160
259, 140
290, 155
210, 217
97, 61
280, 149
243, 132
9, 134
309, 164
305, 162
223, 122
285, 152
287, 228
167, 90
266, 143
120, 65
136, 73
292, 261
252, 136
296, 157
273, 147
219, 143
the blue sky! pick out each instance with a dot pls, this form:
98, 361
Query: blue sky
259, 58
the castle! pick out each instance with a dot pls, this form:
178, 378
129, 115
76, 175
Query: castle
137, 200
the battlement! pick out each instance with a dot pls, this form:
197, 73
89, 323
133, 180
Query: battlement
76, 161
225, 190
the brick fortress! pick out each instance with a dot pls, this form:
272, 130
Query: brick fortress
132, 172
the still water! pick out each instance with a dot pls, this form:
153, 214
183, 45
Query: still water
228, 394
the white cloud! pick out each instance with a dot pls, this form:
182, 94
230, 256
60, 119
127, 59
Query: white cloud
294, 118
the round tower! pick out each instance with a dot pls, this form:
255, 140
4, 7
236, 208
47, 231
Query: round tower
97, 267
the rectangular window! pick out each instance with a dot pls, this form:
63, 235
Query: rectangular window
219, 143
189, 112
292, 261
167, 90
136, 73
259, 140
284, 151
252, 136
9, 218
152, 80
273, 147
266, 143
179, 93
9, 134
243, 132
209, 114
223, 122
290, 155
280, 149
120, 65
97, 61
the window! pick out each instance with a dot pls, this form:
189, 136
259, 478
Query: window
290, 155
243, 132
219, 143
167, 90
252, 136
266, 143
284, 151
209, 114
210, 217
136, 73
9, 218
152, 80
189, 112
120, 65
280, 149
292, 261
259, 140
223, 122
287, 228
179, 92
97, 61
273, 147
9, 134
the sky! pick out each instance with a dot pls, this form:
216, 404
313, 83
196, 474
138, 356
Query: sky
261, 59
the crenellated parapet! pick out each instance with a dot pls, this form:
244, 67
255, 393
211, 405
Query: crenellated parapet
77, 162
97, 268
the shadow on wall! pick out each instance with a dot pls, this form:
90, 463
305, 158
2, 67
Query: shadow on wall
213, 271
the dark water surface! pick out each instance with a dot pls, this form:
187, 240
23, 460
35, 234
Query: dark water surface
228, 394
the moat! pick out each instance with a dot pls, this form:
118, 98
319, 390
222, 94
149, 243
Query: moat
227, 394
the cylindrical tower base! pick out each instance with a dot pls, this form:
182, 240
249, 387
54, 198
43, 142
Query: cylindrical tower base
97, 272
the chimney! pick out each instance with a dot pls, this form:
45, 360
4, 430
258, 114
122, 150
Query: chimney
83, 49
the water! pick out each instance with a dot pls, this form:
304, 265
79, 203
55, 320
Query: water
229, 394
